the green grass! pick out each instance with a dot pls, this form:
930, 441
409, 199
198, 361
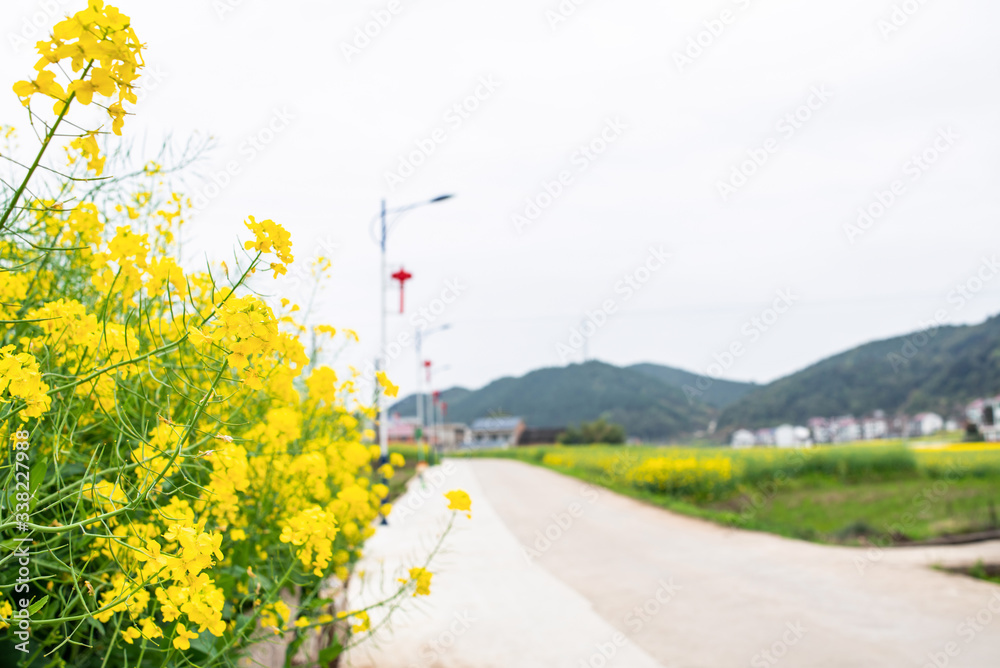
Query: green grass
889, 511
984, 572
850, 495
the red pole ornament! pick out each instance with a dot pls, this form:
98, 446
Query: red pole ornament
402, 276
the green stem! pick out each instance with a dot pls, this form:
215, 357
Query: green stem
38, 158
237, 633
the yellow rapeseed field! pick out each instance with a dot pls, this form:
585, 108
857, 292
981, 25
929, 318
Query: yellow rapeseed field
714, 473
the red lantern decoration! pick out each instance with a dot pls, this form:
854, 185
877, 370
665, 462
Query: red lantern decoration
402, 276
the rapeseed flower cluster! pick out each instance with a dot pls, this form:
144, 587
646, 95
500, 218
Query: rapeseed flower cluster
190, 463
20, 379
683, 475
102, 48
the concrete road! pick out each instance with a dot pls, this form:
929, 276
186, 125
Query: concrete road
559, 573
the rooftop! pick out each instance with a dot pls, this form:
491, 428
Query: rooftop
496, 424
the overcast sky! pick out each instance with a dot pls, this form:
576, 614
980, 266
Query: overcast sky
634, 114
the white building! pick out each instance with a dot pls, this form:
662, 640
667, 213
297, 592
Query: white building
820, 429
845, 429
874, 427
495, 432
764, 436
402, 429
984, 413
449, 436
925, 424
743, 438
788, 436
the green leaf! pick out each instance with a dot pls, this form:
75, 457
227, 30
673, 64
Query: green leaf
293, 649
38, 605
37, 474
329, 654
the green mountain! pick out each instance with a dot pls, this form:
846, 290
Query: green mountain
560, 396
935, 370
408, 405
718, 393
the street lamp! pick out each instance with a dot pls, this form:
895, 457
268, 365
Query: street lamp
382, 362
435, 395
421, 365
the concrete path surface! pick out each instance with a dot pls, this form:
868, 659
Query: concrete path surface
553, 572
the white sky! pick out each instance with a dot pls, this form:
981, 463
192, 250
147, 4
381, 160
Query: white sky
655, 185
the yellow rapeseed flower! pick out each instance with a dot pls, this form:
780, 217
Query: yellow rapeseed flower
182, 641
422, 578
459, 500
387, 385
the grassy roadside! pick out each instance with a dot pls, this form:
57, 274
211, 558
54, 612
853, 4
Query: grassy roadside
821, 506
892, 511
984, 572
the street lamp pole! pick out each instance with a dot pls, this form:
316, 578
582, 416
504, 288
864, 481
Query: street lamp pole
382, 359
420, 391
383, 362
435, 424
421, 366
